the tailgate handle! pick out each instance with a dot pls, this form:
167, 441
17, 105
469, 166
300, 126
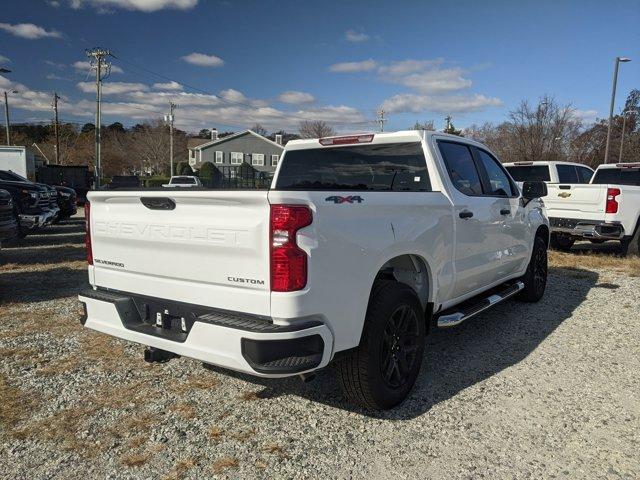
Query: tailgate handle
158, 203
565, 187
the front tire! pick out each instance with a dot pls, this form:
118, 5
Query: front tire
535, 279
381, 371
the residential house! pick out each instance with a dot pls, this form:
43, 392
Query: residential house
247, 146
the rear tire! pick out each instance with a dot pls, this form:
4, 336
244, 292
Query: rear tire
631, 245
381, 371
535, 279
561, 242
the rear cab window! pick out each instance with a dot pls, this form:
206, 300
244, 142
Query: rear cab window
617, 176
532, 173
398, 167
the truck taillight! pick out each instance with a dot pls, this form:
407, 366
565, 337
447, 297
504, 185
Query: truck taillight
612, 203
87, 237
288, 261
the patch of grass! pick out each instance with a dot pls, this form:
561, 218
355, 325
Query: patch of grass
135, 459
22, 356
180, 469
202, 381
224, 463
244, 435
216, 433
62, 428
595, 261
249, 396
274, 449
137, 442
183, 409
15, 405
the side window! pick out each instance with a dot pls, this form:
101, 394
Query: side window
567, 174
498, 179
584, 174
274, 160
218, 157
461, 167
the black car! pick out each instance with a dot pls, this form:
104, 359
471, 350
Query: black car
30, 205
49, 195
67, 202
8, 221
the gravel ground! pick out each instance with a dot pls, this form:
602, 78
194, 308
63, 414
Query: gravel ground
523, 391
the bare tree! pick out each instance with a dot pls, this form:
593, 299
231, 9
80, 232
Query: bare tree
259, 129
316, 129
427, 125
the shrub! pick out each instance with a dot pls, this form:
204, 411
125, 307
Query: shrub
209, 174
183, 168
154, 182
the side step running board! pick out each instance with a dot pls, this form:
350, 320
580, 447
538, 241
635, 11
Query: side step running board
458, 314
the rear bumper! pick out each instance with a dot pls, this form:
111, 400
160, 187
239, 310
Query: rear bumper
240, 342
589, 229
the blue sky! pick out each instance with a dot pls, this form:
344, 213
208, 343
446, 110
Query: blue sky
276, 63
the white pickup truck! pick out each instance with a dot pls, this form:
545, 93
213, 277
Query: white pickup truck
183, 181
605, 207
360, 246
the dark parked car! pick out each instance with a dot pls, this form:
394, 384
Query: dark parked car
30, 205
124, 181
67, 202
77, 177
49, 195
8, 221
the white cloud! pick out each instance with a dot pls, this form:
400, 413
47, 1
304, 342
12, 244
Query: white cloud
29, 30
409, 102
139, 5
203, 60
113, 88
167, 86
352, 67
84, 66
355, 36
54, 3
55, 64
4, 59
295, 97
133, 102
53, 76
587, 116
436, 80
406, 67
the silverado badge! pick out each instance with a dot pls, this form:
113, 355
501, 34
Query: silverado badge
564, 194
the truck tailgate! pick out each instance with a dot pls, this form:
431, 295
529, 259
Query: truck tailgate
576, 201
207, 248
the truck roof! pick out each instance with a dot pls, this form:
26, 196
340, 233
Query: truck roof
542, 163
372, 138
619, 165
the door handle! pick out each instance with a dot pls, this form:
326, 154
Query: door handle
465, 214
505, 211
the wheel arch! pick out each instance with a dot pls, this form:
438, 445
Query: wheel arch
410, 269
544, 233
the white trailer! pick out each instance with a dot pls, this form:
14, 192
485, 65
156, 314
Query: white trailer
20, 160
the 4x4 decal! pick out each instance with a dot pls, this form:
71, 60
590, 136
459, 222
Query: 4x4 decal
349, 199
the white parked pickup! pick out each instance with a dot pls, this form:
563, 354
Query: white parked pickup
183, 181
361, 245
605, 208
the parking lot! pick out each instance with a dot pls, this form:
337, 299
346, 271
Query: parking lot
523, 391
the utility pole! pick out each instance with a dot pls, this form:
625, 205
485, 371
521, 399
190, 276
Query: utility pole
55, 126
613, 100
97, 55
169, 119
447, 126
6, 118
381, 120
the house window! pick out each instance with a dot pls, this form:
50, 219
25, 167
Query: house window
236, 158
257, 159
219, 157
274, 160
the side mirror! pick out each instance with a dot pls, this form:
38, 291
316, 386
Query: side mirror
531, 190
